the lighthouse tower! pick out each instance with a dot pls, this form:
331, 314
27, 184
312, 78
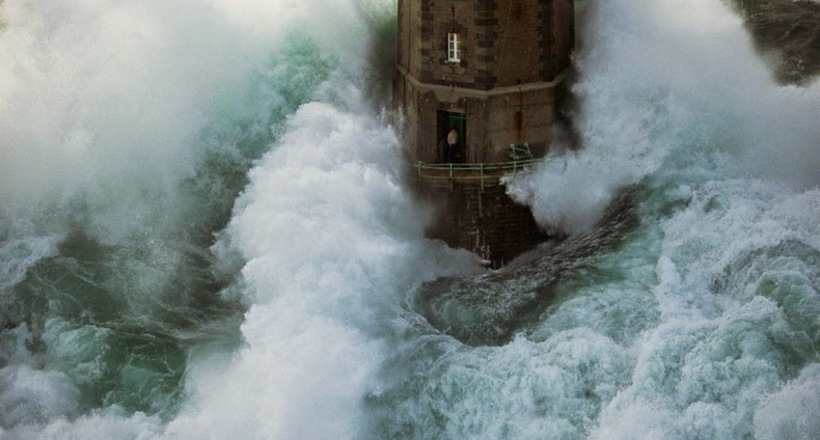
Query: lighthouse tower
478, 83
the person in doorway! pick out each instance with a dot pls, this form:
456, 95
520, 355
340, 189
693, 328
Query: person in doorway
452, 145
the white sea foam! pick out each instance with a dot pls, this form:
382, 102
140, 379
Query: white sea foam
728, 331
672, 91
110, 423
792, 411
19, 254
31, 395
332, 242
103, 104
102, 110
687, 344
681, 76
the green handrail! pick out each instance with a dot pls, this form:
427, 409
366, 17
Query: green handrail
482, 172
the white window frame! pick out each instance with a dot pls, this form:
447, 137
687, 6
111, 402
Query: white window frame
453, 47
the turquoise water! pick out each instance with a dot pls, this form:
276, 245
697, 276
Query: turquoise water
206, 232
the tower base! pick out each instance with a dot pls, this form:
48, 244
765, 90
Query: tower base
485, 221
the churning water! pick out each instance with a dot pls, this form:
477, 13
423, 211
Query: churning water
206, 232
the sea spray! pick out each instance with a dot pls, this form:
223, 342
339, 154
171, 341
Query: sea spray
327, 231
640, 97
697, 304
696, 319
127, 135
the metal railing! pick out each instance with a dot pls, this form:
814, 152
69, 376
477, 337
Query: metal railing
482, 173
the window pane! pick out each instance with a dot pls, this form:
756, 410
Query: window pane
453, 51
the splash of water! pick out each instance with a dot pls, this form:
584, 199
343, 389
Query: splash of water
698, 322
128, 131
701, 88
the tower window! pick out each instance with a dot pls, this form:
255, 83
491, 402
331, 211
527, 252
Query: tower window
453, 47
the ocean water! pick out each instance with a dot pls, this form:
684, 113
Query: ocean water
206, 232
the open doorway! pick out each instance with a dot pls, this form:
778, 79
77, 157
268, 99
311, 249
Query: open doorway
446, 122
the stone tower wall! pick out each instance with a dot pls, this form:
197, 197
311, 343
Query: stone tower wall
507, 89
486, 221
509, 81
504, 42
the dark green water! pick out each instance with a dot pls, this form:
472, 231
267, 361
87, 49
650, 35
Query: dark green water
205, 232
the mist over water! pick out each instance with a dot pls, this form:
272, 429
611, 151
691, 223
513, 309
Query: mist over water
206, 232
681, 78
